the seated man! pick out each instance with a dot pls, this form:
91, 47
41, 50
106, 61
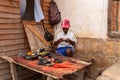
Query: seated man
65, 40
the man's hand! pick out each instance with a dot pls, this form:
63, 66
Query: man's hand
67, 40
61, 40
58, 41
70, 41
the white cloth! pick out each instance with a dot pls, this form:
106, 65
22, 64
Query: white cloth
38, 14
69, 35
22, 7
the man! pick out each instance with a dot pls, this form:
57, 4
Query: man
65, 40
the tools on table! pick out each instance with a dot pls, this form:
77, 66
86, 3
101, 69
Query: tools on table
44, 57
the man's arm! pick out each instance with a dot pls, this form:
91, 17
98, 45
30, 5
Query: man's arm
72, 42
58, 41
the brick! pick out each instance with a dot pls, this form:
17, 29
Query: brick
110, 48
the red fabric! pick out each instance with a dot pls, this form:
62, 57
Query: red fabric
63, 65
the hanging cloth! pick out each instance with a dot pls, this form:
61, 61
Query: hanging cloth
38, 14
22, 7
29, 12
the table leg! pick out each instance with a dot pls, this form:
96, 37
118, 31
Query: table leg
80, 74
13, 71
49, 78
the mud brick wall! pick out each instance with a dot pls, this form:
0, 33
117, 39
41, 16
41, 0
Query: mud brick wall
104, 52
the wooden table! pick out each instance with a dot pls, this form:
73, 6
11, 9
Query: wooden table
51, 72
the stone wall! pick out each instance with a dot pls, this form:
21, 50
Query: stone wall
104, 53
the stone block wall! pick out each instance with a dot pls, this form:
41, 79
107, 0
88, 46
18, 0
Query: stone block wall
103, 52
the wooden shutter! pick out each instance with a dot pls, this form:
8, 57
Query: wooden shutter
114, 18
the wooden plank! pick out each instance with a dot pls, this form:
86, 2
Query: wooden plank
31, 39
9, 3
12, 42
12, 31
2, 20
13, 47
9, 15
46, 18
46, 22
46, 1
2, 60
34, 43
12, 36
38, 34
113, 14
4, 71
4, 66
7, 9
40, 30
109, 16
16, 52
45, 8
17, 0
46, 13
6, 77
46, 4
11, 26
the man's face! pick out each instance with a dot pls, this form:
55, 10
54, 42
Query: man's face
65, 30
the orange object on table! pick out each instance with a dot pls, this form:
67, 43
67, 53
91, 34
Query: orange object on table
65, 64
